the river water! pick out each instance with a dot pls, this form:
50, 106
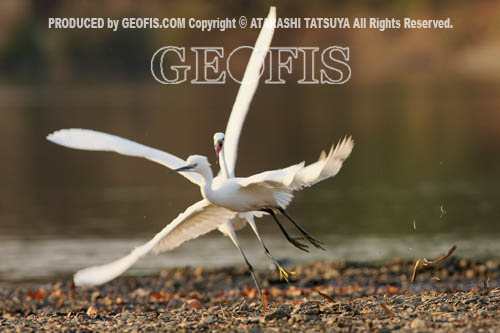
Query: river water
422, 177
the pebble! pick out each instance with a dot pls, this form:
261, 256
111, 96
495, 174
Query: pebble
417, 324
92, 312
398, 299
485, 300
207, 320
471, 300
446, 308
278, 314
199, 299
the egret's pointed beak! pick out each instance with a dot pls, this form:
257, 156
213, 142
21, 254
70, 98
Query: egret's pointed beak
218, 149
184, 168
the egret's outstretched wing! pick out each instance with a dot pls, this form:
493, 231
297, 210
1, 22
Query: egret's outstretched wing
197, 220
283, 177
93, 140
277, 180
327, 166
247, 90
285, 181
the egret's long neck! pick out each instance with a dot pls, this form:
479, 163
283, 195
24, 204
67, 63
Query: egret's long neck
206, 184
223, 165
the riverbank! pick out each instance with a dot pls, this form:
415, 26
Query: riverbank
454, 295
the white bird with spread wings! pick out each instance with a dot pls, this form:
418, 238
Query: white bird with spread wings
228, 202
165, 240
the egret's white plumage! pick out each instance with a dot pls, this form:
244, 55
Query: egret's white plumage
271, 189
198, 219
245, 93
98, 141
244, 195
268, 189
86, 139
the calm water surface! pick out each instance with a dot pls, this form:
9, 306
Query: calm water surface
427, 153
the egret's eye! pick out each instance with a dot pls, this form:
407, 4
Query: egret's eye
195, 165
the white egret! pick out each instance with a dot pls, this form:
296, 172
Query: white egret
163, 241
269, 191
265, 191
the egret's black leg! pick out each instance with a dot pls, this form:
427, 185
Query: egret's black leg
294, 241
310, 238
284, 273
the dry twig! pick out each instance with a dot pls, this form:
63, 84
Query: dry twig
387, 310
431, 262
325, 296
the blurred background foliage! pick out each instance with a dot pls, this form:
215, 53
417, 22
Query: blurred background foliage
29, 50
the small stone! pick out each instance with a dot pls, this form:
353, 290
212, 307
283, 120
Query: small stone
92, 312
207, 320
398, 299
446, 308
175, 303
417, 324
485, 300
193, 303
301, 317
165, 316
330, 321
278, 314
254, 320
470, 300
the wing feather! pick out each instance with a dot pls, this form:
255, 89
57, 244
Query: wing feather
246, 92
85, 139
326, 167
279, 177
284, 181
200, 218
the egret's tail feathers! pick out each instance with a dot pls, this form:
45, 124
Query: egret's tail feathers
283, 198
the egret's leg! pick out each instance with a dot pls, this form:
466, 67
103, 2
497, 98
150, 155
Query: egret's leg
294, 241
233, 237
309, 237
284, 273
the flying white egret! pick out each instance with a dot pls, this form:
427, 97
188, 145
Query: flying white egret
265, 191
93, 140
268, 191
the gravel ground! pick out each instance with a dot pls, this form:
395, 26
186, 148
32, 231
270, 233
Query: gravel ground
458, 295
